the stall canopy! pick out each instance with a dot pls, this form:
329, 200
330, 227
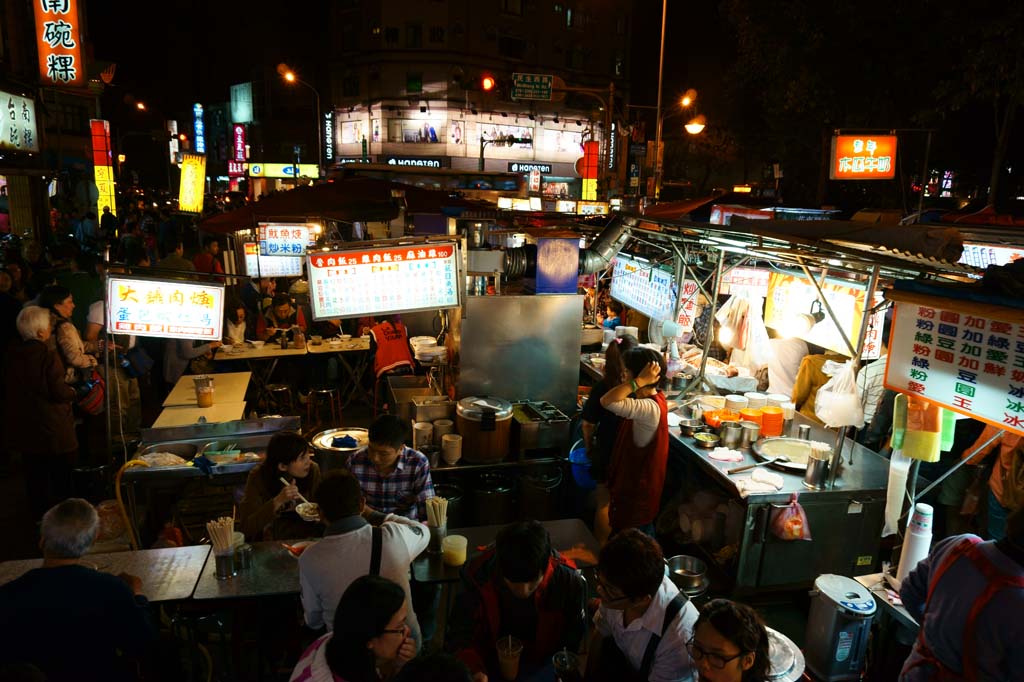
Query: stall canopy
363, 199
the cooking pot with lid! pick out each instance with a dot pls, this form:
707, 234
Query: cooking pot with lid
485, 423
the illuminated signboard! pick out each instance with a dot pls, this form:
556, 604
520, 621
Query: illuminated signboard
592, 208
527, 167
238, 142
984, 255
283, 239
283, 170
18, 129
645, 287
416, 161
193, 183
382, 280
329, 136
102, 162
863, 157
271, 266
236, 169
744, 280
59, 43
969, 359
167, 309
688, 307
199, 127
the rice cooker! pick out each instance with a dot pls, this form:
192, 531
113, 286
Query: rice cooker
485, 423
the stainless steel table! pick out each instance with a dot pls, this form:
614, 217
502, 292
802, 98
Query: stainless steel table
274, 571
168, 574
570, 537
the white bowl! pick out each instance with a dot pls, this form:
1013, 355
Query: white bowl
344, 337
309, 511
257, 344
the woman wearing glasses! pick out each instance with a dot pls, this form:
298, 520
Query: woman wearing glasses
729, 644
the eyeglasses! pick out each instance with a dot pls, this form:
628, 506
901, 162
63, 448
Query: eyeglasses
716, 661
605, 593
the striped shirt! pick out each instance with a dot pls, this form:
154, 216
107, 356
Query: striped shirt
404, 491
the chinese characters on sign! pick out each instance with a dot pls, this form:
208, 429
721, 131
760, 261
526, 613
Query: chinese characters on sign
270, 266
863, 157
18, 131
193, 183
737, 281
280, 239
970, 364
688, 306
200, 128
383, 280
165, 309
102, 162
648, 288
59, 43
238, 142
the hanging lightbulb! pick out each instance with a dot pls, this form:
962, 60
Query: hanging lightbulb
725, 335
798, 325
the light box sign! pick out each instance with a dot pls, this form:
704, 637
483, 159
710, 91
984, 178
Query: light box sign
238, 142
383, 280
328, 138
102, 162
257, 265
193, 183
863, 157
741, 280
645, 287
984, 255
283, 170
59, 43
283, 239
19, 131
199, 126
167, 309
790, 295
688, 308
961, 359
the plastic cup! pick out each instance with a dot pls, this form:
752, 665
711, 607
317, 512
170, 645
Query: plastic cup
442, 427
224, 565
451, 448
509, 651
437, 536
422, 434
453, 550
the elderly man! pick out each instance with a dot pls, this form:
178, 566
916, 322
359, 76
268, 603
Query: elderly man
68, 619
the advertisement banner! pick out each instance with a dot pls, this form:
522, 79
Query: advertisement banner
193, 183
863, 157
166, 309
19, 131
967, 360
59, 41
382, 280
284, 239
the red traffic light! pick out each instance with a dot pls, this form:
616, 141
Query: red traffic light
487, 83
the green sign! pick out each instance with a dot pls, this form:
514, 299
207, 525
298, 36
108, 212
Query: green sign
531, 86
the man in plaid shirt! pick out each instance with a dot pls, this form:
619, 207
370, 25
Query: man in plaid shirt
395, 479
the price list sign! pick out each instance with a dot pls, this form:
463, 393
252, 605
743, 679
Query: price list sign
645, 287
257, 265
278, 239
969, 363
382, 280
167, 309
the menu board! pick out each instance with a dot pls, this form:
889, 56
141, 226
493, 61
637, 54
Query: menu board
258, 265
644, 287
382, 280
283, 239
965, 362
688, 306
168, 309
984, 255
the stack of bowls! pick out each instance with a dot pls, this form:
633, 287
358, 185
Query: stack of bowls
788, 410
776, 399
749, 414
771, 421
735, 403
756, 400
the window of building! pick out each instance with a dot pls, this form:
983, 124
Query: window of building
512, 47
375, 31
437, 34
512, 7
618, 64
414, 35
391, 36
350, 86
570, 17
414, 82
558, 8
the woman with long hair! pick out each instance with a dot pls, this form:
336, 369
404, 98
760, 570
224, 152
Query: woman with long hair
730, 643
600, 428
370, 641
267, 510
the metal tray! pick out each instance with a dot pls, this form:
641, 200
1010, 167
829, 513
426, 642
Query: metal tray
767, 448
322, 440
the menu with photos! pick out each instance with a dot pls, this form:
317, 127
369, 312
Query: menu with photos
382, 280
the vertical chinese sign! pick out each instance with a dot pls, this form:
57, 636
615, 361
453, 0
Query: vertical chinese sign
588, 172
965, 356
59, 42
193, 183
236, 165
863, 157
102, 162
18, 130
199, 126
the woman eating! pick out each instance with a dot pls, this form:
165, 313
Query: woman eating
601, 427
636, 474
268, 511
370, 641
730, 643
237, 329
78, 356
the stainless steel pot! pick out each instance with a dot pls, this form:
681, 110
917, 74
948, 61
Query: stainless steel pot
686, 572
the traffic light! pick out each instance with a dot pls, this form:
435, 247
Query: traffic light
487, 82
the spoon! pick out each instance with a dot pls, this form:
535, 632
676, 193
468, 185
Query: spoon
780, 459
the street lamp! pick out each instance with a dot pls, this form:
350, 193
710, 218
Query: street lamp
696, 125
290, 77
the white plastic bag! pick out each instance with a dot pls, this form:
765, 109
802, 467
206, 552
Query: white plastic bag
837, 402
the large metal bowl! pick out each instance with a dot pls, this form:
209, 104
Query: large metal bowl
686, 572
183, 450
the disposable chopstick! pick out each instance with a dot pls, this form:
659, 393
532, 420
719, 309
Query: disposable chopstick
286, 482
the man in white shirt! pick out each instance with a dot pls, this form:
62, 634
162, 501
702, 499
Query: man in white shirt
644, 622
348, 550
784, 364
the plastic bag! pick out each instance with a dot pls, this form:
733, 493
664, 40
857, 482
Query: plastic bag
790, 522
837, 403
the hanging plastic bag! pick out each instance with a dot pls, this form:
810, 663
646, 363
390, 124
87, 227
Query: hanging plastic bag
837, 403
790, 522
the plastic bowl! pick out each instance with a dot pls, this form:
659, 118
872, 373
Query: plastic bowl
309, 511
257, 344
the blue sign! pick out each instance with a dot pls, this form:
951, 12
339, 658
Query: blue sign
200, 128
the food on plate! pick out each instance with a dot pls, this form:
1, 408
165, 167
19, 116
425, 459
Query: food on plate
309, 511
163, 459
